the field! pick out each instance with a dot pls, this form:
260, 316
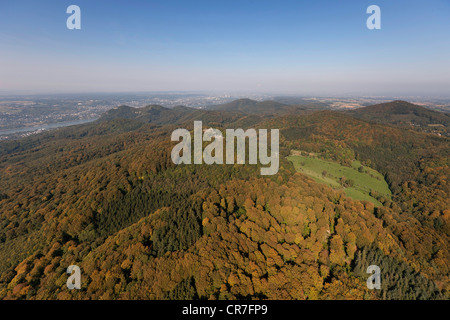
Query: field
358, 181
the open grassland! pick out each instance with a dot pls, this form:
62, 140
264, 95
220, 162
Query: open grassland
358, 181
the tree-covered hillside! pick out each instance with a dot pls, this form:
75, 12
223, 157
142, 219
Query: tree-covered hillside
106, 197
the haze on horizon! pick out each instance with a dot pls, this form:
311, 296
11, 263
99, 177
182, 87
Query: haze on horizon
289, 47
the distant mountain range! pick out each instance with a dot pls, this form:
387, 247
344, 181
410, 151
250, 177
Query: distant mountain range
159, 115
397, 113
227, 112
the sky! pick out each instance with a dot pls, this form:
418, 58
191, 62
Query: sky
292, 47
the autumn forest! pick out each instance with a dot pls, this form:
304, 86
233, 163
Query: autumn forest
105, 196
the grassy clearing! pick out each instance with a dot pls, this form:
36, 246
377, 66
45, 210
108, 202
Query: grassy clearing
357, 181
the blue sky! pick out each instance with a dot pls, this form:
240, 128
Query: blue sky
299, 47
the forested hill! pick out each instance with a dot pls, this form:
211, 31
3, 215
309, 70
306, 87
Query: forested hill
223, 114
106, 196
159, 115
402, 113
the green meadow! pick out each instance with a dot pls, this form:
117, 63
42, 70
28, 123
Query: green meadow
357, 181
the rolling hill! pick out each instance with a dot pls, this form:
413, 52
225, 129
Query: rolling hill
402, 113
159, 115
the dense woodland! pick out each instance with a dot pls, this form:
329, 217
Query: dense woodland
406, 115
107, 197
